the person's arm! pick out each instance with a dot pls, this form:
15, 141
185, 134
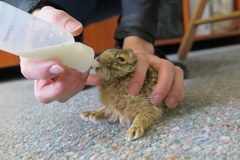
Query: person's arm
26, 5
136, 30
31, 5
138, 18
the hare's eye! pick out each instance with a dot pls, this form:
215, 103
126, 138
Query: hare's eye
120, 59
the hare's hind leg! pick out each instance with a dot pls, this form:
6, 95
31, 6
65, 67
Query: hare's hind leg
94, 115
141, 122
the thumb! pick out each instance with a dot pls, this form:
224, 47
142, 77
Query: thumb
61, 19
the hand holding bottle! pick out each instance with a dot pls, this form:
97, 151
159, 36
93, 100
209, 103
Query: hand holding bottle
53, 80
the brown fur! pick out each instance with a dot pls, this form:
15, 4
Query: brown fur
116, 66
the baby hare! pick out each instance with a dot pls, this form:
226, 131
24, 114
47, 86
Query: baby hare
116, 67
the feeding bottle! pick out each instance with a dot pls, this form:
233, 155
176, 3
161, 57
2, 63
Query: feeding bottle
27, 36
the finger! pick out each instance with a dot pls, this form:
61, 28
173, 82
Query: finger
63, 88
165, 78
40, 70
137, 78
40, 87
176, 94
61, 19
94, 80
79, 81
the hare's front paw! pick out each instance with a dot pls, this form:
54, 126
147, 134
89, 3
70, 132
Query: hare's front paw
95, 115
135, 132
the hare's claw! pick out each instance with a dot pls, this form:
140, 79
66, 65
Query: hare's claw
93, 116
134, 133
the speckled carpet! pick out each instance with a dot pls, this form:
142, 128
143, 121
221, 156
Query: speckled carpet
205, 126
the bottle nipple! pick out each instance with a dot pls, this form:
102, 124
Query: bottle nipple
95, 64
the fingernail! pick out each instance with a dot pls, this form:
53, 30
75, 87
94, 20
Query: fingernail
56, 69
73, 26
156, 99
134, 88
171, 102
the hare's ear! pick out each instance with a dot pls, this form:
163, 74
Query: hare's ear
131, 53
130, 50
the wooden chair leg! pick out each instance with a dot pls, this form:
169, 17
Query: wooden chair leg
188, 38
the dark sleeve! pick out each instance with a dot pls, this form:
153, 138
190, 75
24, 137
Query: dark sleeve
26, 5
30, 5
139, 18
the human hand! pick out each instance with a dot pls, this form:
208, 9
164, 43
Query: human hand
169, 88
53, 80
